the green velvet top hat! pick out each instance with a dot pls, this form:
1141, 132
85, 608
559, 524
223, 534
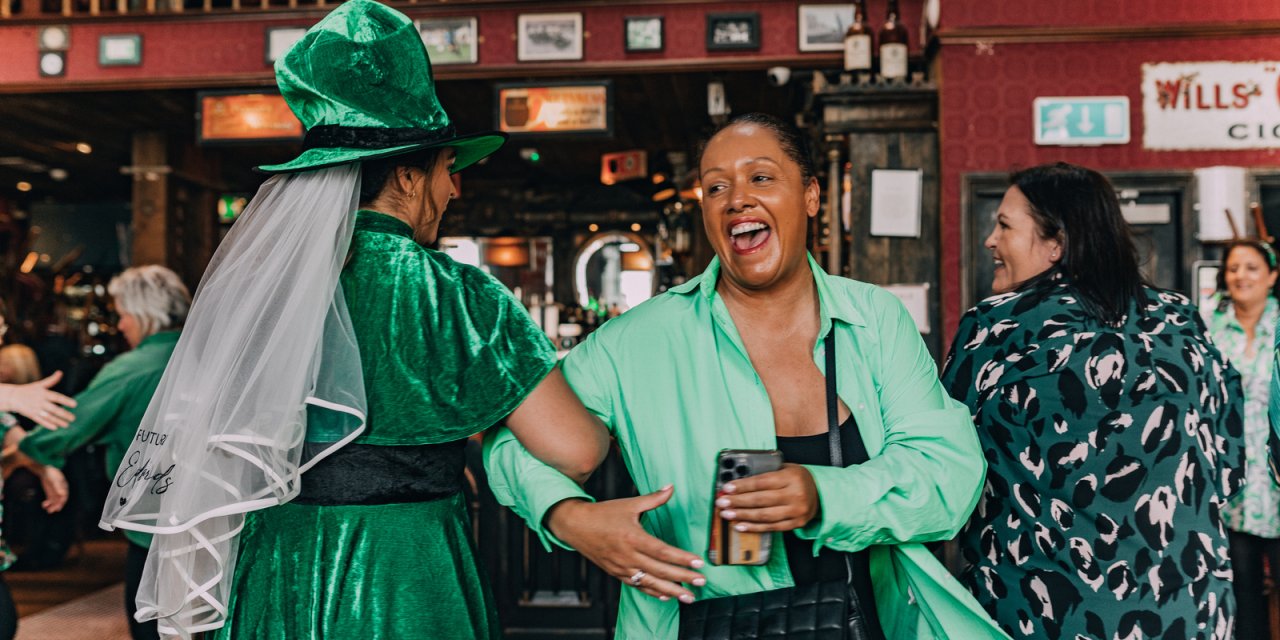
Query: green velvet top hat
360, 82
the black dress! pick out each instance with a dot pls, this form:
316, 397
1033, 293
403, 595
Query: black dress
829, 564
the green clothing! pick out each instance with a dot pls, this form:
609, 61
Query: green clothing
1256, 509
109, 411
447, 351
673, 382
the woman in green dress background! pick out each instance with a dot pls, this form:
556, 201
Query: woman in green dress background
1243, 326
368, 537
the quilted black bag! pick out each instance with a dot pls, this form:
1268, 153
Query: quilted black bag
827, 610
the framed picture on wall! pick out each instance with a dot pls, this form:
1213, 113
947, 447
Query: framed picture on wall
549, 36
279, 40
449, 40
822, 26
730, 31
643, 33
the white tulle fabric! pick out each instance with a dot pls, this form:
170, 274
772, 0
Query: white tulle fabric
265, 381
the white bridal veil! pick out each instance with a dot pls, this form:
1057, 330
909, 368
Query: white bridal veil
265, 381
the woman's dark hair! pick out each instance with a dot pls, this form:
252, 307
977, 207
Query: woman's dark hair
374, 173
791, 139
1262, 248
1078, 206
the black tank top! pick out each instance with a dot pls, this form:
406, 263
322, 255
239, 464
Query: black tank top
829, 563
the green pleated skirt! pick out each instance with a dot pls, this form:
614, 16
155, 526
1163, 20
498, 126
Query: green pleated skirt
384, 571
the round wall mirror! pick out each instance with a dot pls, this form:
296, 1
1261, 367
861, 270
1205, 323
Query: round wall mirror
614, 270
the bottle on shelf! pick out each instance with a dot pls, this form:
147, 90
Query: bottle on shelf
893, 46
858, 44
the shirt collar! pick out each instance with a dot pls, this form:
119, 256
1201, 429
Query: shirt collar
170, 335
368, 220
832, 306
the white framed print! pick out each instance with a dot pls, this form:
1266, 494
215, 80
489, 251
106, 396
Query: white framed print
450, 40
548, 36
822, 26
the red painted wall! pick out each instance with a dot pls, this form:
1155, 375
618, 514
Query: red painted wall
1092, 13
199, 46
986, 96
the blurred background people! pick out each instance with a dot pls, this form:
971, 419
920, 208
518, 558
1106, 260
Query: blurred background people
1113, 429
1243, 326
18, 364
152, 304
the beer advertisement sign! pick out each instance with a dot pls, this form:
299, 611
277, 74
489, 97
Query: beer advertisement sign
1211, 105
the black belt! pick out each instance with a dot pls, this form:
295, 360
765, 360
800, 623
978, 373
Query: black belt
363, 474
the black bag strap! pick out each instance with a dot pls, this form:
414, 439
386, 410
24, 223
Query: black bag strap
833, 403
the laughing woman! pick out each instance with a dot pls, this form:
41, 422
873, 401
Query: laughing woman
745, 356
1112, 428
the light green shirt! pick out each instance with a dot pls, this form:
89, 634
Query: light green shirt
672, 381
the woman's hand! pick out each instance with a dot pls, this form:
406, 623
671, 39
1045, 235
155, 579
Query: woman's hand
55, 488
38, 402
609, 534
780, 500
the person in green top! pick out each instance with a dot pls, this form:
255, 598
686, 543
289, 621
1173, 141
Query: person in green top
305, 478
152, 304
733, 359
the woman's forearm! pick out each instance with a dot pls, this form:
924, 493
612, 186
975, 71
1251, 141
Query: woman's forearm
554, 426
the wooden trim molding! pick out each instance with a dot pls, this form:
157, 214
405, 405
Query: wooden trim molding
1039, 35
266, 78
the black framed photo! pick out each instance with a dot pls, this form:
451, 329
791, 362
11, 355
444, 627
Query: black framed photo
449, 40
643, 33
549, 36
733, 31
822, 26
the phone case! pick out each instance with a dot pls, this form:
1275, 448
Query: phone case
728, 546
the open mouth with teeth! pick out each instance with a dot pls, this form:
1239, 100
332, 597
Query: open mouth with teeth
748, 235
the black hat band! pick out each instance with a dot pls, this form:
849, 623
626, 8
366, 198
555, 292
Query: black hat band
332, 135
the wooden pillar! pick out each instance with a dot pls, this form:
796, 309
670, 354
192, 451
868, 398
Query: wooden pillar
150, 198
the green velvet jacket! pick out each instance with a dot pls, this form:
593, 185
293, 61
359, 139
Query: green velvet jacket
447, 351
109, 411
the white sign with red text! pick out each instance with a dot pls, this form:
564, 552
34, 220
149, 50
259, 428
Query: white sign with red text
1211, 105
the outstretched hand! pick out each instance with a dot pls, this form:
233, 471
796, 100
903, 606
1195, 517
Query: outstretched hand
609, 534
55, 488
38, 402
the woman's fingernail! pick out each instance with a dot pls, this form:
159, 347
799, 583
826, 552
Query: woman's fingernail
740, 527
728, 488
664, 598
696, 563
722, 503
686, 598
667, 488
727, 515
699, 582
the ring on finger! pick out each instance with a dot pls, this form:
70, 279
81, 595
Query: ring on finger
636, 578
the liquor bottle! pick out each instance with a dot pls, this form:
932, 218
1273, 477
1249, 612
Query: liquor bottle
857, 41
893, 46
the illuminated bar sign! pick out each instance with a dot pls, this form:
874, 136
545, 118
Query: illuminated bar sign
1211, 105
246, 117
579, 107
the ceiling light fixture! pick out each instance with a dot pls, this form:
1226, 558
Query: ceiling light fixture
24, 186
84, 147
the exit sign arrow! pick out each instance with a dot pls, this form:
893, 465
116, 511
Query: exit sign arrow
1082, 121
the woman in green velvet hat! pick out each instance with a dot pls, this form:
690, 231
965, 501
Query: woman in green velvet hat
326, 339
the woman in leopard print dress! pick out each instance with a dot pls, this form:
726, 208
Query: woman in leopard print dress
1113, 430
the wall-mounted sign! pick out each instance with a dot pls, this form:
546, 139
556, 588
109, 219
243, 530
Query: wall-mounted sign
1082, 121
246, 117
582, 107
1211, 105
121, 50
623, 165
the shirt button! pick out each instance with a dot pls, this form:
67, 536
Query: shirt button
830, 540
861, 406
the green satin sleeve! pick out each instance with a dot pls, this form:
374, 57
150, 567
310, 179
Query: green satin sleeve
447, 351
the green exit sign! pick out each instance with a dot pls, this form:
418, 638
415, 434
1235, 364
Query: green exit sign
1082, 121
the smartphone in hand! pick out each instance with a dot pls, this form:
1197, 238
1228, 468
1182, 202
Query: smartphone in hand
728, 546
